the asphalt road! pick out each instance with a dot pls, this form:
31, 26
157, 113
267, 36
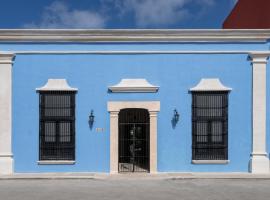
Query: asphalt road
166, 189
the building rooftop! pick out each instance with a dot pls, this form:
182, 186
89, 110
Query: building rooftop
249, 14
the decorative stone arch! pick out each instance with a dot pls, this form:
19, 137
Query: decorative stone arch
114, 108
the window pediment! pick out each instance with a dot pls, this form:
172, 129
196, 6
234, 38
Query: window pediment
133, 85
56, 85
210, 84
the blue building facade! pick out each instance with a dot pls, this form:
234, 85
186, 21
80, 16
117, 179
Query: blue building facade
168, 62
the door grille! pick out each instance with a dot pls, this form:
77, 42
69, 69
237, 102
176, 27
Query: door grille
134, 140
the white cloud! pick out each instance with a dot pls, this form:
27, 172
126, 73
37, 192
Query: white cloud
146, 13
158, 13
59, 15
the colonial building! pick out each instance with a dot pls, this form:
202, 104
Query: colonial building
134, 101
147, 101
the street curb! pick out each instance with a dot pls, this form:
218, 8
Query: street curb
136, 176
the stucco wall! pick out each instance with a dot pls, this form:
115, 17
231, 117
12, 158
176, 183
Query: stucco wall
92, 74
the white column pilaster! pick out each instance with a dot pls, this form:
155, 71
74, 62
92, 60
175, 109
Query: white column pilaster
6, 156
114, 142
153, 141
259, 162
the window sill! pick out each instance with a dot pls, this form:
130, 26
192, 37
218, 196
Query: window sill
56, 162
210, 161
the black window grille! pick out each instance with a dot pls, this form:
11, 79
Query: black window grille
57, 125
210, 125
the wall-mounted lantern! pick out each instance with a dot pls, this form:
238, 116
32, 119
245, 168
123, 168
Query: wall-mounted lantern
175, 118
91, 119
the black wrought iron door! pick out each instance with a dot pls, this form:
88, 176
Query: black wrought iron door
134, 140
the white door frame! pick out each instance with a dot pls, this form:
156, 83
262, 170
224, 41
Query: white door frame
114, 108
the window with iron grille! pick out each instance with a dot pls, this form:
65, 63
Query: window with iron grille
57, 125
210, 125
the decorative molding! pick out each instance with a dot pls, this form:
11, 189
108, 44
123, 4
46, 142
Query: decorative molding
56, 162
117, 52
134, 35
56, 85
131, 52
116, 106
211, 84
259, 57
133, 85
210, 161
259, 154
6, 57
6, 155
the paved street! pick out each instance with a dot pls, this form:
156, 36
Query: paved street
253, 189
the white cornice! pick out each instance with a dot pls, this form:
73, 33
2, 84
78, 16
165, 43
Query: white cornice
134, 35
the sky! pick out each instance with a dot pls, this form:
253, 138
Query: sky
114, 14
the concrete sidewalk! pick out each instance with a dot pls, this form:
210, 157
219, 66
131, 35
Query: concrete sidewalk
134, 176
134, 189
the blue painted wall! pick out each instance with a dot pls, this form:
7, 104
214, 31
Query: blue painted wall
92, 74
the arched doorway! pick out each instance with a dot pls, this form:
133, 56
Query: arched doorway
134, 143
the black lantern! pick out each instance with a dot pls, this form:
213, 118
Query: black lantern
176, 116
91, 119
